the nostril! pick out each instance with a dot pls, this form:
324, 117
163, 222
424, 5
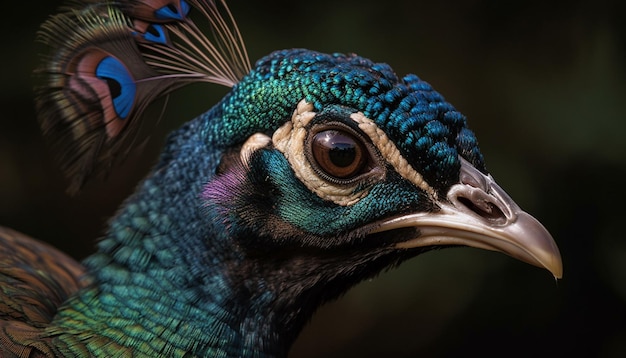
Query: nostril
484, 209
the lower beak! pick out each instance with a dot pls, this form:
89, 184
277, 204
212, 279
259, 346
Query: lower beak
478, 213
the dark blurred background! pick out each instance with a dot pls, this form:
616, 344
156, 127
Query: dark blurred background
543, 84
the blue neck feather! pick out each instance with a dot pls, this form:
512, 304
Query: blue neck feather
160, 271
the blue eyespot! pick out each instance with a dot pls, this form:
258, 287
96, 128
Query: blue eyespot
155, 33
121, 84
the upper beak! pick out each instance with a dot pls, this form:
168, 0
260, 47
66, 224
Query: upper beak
478, 213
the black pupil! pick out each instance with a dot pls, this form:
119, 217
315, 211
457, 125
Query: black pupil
342, 154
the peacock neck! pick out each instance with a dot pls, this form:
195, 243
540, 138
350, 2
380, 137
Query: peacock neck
160, 278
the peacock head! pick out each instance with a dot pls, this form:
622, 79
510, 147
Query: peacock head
337, 153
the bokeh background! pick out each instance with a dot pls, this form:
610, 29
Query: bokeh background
543, 84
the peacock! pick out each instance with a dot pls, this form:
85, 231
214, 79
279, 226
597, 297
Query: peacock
313, 173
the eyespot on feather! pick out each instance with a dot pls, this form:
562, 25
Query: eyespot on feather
122, 91
101, 80
147, 32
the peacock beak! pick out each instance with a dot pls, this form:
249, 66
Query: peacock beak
478, 213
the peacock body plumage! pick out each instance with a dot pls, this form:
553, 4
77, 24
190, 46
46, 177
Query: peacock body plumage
315, 172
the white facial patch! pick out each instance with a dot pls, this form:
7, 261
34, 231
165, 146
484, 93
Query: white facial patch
252, 144
290, 138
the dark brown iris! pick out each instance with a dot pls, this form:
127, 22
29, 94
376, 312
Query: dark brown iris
339, 154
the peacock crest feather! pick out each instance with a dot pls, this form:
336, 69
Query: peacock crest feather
111, 60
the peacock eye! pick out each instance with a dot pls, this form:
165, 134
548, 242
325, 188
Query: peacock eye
339, 154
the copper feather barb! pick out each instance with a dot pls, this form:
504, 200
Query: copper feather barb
111, 60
